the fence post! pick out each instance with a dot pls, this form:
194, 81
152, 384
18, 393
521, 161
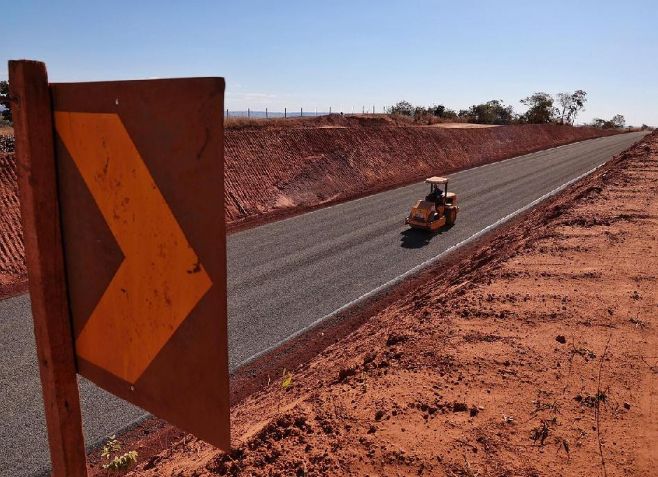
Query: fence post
329, 109
301, 112
265, 113
248, 113
227, 112
285, 113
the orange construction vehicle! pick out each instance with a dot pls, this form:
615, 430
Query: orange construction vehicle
439, 208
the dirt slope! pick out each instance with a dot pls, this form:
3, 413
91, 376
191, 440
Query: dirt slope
11, 253
536, 355
272, 172
13, 273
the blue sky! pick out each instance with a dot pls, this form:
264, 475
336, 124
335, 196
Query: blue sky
347, 54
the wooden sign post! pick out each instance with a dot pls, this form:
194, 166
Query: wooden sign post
36, 168
122, 199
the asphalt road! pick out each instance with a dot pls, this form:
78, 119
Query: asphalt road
286, 275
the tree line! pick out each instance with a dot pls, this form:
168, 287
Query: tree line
542, 108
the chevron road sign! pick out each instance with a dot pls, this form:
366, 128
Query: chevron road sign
132, 246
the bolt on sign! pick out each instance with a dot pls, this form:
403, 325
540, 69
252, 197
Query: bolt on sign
123, 201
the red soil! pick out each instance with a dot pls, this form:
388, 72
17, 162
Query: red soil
534, 355
13, 274
274, 172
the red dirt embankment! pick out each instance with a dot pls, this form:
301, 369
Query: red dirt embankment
535, 355
274, 172
13, 274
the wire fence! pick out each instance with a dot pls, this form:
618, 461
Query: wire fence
300, 112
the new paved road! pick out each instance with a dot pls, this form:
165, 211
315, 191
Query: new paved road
286, 275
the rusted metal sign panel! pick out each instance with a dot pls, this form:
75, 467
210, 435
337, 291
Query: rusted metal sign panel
140, 181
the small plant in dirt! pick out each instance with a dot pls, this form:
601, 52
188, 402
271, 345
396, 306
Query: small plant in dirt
564, 444
542, 431
586, 353
286, 379
591, 401
114, 459
638, 322
545, 406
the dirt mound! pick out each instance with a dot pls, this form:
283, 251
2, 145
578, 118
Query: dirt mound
13, 273
534, 355
275, 172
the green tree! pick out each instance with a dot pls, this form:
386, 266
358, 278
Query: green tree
465, 114
4, 101
491, 112
570, 105
617, 121
420, 112
440, 111
540, 109
403, 108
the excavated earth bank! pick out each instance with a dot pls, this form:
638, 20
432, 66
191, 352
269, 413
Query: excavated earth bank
13, 273
272, 172
535, 355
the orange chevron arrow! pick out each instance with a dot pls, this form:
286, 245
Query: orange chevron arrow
160, 279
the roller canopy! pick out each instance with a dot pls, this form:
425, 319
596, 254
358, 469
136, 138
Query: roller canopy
436, 180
